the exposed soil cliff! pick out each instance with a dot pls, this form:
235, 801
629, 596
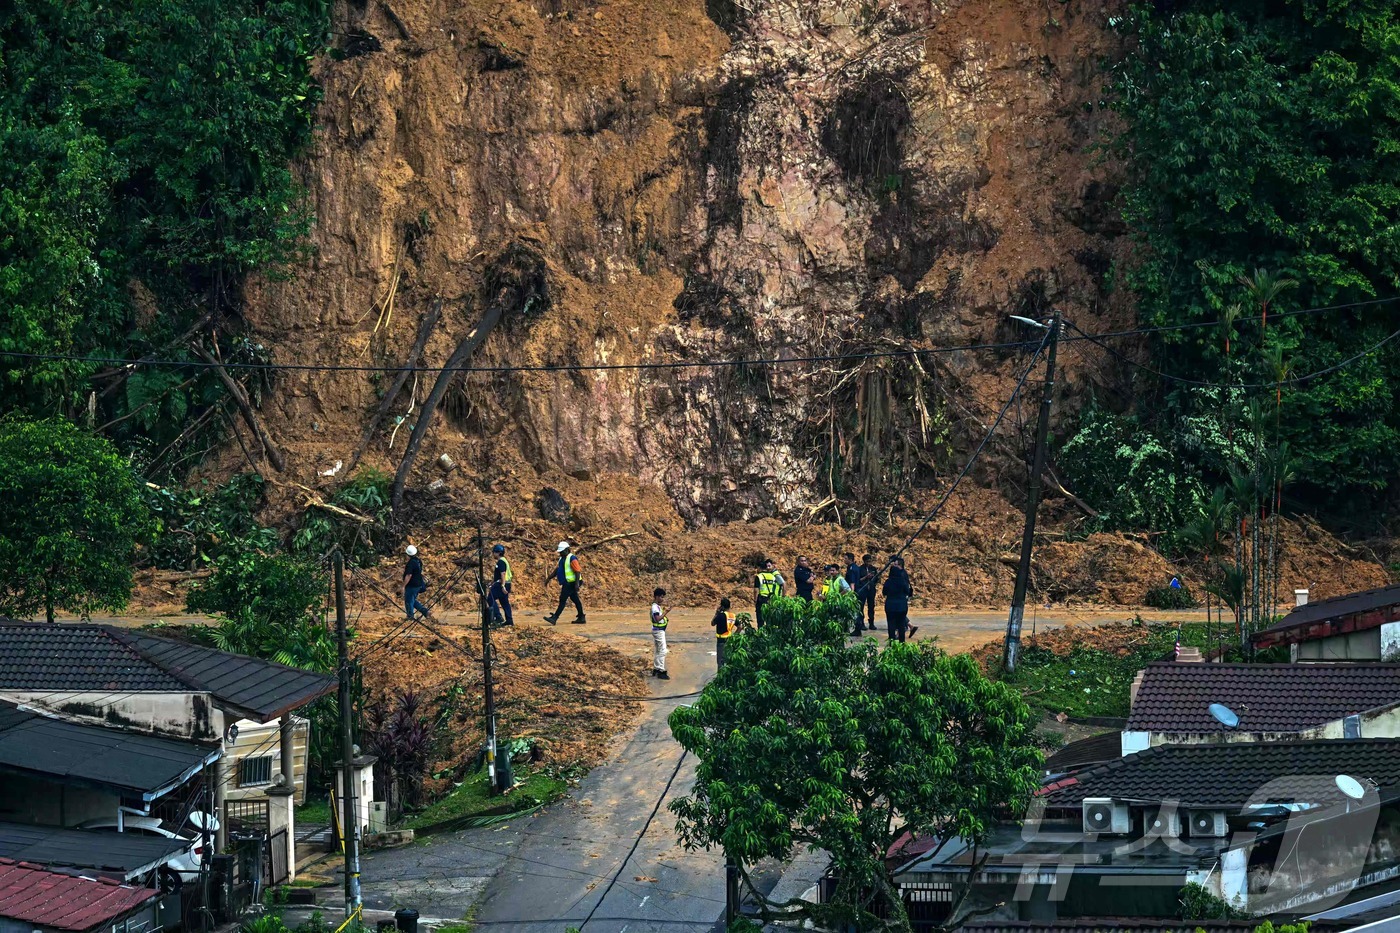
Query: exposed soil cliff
661, 181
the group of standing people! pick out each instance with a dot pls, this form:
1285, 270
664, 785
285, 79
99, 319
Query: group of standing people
861, 579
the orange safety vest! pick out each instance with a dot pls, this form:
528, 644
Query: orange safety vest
728, 626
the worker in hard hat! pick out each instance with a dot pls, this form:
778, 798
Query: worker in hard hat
498, 598
570, 578
413, 583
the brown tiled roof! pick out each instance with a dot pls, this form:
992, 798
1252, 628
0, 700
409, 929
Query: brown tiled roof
40, 898
1267, 697
1225, 776
66, 659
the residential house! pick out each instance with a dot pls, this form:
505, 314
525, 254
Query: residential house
1266, 826
1271, 702
34, 899
1362, 626
128, 680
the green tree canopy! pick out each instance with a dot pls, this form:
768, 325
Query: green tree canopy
71, 517
270, 605
1263, 135
807, 739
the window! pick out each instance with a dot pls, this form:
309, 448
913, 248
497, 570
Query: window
255, 771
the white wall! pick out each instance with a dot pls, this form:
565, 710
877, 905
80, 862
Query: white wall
1135, 741
178, 715
258, 739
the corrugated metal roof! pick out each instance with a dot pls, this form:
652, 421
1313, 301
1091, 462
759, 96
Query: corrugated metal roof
35, 895
128, 854
130, 763
83, 658
1226, 776
1267, 697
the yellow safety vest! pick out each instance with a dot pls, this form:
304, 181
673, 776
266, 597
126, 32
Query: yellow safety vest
508, 576
728, 626
831, 588
661, 622
570, 575
767, 583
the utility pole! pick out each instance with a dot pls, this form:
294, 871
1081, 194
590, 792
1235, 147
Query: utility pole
731, 891
349, 823
498, 777
1023, 569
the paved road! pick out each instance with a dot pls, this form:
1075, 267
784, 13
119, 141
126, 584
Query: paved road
543, 873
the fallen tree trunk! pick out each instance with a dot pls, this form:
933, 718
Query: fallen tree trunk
464, 351
245, 407
425, 330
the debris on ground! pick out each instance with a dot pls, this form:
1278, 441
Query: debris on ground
567, 695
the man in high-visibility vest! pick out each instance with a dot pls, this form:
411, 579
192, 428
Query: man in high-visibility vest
724, 630
498, 599
570, 577
835, 584
767, 583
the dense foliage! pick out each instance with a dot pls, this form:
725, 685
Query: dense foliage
71, 517
197, 525
1263, 135
270, 606
806, 738
144, 150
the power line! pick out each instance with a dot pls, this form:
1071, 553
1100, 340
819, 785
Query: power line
634, 367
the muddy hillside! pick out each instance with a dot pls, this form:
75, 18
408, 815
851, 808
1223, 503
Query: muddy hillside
558, 182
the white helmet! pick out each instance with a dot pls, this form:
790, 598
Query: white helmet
411, 551
563, 546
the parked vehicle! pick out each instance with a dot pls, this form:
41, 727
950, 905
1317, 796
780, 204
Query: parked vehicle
182, 867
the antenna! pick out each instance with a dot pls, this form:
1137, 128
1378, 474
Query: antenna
1350, 786
1224, 715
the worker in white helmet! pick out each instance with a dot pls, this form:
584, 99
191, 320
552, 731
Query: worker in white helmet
413, 583
570, 577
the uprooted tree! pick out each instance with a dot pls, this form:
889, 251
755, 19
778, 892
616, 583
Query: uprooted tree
806, 739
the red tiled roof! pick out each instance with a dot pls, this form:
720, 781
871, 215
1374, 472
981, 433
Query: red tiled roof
35, 895
1267, 697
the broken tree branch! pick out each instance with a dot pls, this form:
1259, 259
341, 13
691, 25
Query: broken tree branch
626, 534
425, 330
245, 407
459, 357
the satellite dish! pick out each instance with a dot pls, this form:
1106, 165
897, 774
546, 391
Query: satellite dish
1350, 786
1224, 715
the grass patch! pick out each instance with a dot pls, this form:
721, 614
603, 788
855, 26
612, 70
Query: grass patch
1089, 681
455, 928
472, 798
315, 811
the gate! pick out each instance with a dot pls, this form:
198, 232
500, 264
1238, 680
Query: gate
277, 857
246, 816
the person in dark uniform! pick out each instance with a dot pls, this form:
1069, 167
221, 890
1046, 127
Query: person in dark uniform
867, 588
413, 583
724, 628
498, 599
897, 591
803, 578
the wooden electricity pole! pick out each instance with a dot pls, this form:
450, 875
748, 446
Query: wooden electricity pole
349, 823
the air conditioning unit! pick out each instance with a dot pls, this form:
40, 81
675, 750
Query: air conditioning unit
1207, 824
1162, 822
1103, 816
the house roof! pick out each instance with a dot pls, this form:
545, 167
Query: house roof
1226, 776
86, 658
127, 854
1325, 610
1094, 750
1267, 697
128, 763
32, 894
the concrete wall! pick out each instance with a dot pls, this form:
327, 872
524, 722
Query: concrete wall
41, 803
177, 715
1353, 646
258, 739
